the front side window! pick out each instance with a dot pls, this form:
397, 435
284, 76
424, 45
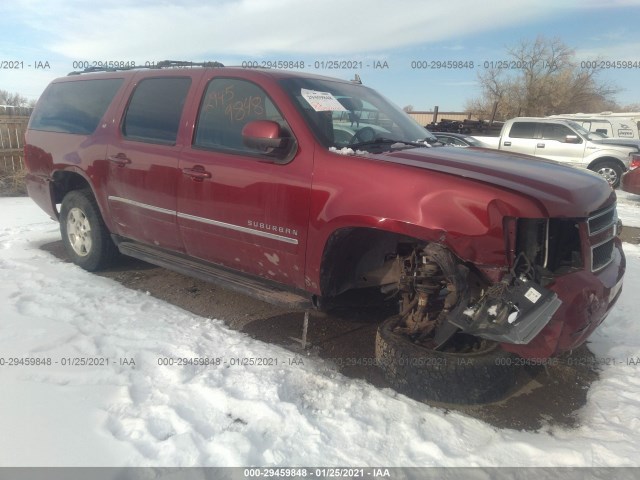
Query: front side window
154, 111
227, 105
74, 107
343, 114
552, 131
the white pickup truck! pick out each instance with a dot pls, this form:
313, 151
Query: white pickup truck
567, 141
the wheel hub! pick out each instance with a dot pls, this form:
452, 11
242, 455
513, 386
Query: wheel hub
79, 232
609, 174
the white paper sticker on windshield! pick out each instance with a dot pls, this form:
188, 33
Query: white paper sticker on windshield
322, 101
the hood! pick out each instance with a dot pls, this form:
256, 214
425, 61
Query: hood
620, 142
562, 190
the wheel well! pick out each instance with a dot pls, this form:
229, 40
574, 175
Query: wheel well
356, 258
600, 160
64, 182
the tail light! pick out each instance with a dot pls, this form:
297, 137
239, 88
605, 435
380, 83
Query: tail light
634, 161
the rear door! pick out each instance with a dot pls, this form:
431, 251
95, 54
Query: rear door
521, 138
143, 161
237, 207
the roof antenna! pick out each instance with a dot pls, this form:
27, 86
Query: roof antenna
356, 79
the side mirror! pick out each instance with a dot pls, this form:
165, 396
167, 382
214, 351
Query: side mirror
571, 139
262, 135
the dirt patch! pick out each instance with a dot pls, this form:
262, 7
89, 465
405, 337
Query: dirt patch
12, 182
630, 235
345, 339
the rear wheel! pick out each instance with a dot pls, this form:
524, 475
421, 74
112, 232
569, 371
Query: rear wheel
84, 234
610, 171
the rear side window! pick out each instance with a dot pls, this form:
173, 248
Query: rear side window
523, 130
74, 107
154, 111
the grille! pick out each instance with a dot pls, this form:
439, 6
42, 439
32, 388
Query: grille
601, 255
602, 220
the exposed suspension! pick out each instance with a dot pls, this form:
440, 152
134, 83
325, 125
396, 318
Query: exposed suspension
427, 294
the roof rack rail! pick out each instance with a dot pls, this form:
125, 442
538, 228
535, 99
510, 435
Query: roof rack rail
180, 63
151, 66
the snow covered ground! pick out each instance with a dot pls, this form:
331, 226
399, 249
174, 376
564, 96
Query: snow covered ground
135, 412
629, 208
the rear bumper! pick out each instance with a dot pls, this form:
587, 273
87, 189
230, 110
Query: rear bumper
587, 298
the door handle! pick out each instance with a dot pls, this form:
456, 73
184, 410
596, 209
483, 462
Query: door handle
540, 145
120, 159
507, 144
198, 173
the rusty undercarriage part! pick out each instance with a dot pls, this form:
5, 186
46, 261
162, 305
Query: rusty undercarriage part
439, 296
430, 289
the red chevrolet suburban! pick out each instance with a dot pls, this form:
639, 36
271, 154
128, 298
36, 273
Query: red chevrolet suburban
296, 188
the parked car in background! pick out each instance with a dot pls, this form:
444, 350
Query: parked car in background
568, 142
631, 180
459, 140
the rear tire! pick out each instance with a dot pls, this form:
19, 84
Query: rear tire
462, 378
84, 234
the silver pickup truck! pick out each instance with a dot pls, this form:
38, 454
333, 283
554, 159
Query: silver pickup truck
567, 141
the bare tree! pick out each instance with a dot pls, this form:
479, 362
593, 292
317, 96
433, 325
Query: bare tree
632, 107
541, 78
408, 108
12, 99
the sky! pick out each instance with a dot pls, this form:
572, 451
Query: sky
385, 43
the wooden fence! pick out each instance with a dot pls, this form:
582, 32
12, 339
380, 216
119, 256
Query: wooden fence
12, 128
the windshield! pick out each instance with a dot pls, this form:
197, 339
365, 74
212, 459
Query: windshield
473, 142
584, 132
350, 115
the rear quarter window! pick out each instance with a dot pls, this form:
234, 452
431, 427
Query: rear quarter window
74, 107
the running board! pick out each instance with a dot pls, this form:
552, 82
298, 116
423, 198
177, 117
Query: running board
264, 290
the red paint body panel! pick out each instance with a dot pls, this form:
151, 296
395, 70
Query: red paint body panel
631, 181
275, 219
587, 299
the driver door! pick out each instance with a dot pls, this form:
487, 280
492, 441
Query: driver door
237, 207
553, 144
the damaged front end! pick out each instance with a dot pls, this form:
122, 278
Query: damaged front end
441, 296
